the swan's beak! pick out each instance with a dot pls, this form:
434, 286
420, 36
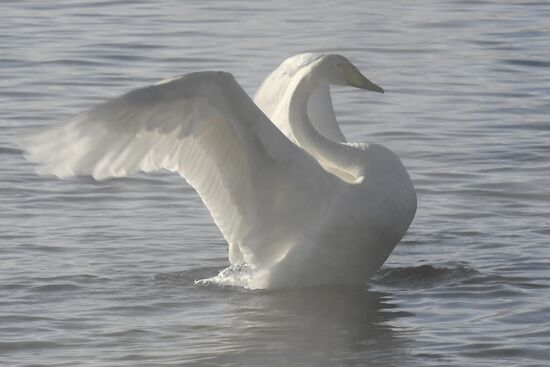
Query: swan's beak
358, 80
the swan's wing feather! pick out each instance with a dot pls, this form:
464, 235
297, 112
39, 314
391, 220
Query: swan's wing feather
206, 128
273, 97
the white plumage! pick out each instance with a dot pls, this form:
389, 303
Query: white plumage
273, 98
302, 212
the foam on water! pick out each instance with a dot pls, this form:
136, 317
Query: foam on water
242, 276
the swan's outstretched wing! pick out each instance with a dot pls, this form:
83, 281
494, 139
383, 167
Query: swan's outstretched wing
204, 126
273, 97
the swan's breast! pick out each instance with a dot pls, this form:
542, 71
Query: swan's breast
387, 193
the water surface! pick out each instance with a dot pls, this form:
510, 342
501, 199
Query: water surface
102, 273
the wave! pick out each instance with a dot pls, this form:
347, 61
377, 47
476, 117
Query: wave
423, 276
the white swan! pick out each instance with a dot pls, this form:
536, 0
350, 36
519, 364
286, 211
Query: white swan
294, 221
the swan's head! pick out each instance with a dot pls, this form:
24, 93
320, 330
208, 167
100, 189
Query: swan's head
338, 70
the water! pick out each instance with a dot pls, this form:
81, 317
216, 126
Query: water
102, 273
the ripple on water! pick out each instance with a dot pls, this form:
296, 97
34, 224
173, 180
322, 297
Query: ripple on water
423, 276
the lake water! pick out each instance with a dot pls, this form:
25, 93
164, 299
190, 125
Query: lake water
102, 273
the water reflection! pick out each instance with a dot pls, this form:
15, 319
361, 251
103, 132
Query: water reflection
319, 326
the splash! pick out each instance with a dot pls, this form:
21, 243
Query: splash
239, 276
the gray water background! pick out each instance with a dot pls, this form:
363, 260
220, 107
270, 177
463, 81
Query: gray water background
102, 273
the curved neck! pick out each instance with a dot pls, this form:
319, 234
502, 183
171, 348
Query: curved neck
339, 159
321, 114
305, 134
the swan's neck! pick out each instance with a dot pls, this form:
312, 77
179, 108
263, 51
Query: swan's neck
321, 114
305, 134
337, 158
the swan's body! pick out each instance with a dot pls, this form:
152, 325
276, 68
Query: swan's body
315, 212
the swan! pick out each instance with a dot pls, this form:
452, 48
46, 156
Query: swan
299, 209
